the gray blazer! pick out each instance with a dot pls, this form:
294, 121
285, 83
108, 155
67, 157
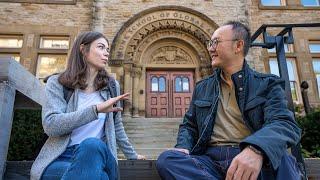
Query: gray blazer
59, 118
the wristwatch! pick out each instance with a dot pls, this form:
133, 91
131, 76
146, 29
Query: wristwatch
255, 150
96, 109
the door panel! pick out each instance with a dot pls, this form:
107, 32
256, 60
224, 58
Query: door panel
181, 92
157, 94
168, 93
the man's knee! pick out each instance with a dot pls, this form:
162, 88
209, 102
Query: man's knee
166, 159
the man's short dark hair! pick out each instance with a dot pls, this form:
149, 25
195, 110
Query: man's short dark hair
241, 32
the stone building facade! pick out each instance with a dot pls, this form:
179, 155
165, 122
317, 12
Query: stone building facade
158, 46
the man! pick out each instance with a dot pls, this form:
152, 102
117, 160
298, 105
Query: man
238, 123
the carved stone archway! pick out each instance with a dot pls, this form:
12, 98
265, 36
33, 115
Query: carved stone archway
161, 37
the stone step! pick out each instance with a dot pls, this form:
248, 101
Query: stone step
154, 143
151, 136
156, 139
126, 119
150, 133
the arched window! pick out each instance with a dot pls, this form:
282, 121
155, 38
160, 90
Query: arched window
178, 84
185, 84
154, 84
158, 84
182, 84
162, 84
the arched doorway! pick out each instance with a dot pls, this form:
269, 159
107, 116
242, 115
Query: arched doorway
161, 52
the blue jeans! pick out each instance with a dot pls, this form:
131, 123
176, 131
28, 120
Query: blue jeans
91, 159
214, 164
211, 165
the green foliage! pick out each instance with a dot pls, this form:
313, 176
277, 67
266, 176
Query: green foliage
26, 135
310, 139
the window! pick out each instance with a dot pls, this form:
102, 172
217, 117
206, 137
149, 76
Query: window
54, 42
288, 48
310, 2
49, 64
182, 84
14, 56
52, 54
8, 41
273, 2
293, 76
162, 84
42, 1
314, 47
158, 84
316, 68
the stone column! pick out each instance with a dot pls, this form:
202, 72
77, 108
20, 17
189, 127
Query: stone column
97, 15
205, 71
136, 74
197, 75
127, 88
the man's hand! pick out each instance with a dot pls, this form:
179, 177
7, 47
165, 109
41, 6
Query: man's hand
246, 165
186, 151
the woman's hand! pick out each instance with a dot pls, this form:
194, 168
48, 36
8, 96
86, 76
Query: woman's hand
141, 157
107, 106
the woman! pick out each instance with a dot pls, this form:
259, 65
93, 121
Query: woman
83, 129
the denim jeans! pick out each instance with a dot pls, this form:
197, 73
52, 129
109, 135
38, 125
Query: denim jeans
214, 165
211, 165
91, 159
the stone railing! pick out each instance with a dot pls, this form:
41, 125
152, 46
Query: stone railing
18, 89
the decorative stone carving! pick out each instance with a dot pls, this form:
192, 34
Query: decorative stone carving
155, 27
186, 21
170, 55
136, 72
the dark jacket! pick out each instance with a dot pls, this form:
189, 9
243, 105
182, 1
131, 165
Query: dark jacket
262, 102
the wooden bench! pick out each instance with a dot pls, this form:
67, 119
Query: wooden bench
20, 89
129, 170
133, 169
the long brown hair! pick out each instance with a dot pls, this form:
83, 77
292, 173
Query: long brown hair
75, 74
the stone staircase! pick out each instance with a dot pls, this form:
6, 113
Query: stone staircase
151, 136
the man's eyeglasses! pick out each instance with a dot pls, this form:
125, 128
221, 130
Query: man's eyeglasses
214, 43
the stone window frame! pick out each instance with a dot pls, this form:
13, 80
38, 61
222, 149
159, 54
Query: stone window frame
54, 37
291, 55
289, 51
42, 1
314, 57
296, 75
311, 6
282, 3
313, 42
13, 50
50, 51
31, 41
288, 5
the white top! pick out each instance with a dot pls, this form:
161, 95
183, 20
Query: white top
94, 128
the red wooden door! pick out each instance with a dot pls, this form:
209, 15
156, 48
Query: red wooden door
182, 87
168, 93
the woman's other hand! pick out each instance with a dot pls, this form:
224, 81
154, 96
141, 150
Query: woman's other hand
141, 157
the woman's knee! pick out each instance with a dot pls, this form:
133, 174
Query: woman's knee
93, 145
